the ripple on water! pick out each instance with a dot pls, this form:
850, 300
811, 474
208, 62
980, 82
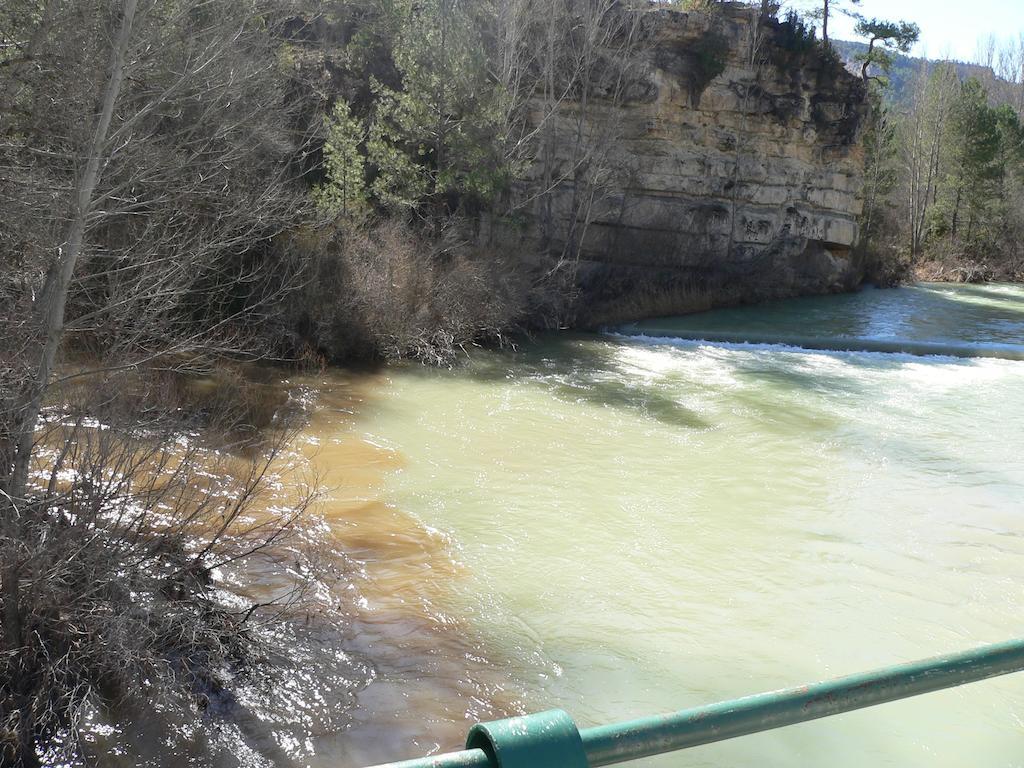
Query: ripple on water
830, 513
621, 528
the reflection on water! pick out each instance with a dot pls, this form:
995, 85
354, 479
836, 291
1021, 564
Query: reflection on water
429, 672
375, 663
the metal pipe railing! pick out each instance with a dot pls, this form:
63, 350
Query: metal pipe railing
617, 743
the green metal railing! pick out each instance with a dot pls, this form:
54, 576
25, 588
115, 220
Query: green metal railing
551, 739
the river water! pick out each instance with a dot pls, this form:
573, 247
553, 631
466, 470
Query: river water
621, 525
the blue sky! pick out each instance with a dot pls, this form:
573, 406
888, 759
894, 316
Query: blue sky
947, 26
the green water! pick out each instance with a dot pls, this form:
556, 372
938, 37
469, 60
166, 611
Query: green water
649, 526
645, 526
981, 316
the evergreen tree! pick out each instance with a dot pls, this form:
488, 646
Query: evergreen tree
881, 167
343, 193
437, 136
829, 7
973, 169
1011, 139
885, 39
401, 180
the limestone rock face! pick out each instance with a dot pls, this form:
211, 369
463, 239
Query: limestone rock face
734, 185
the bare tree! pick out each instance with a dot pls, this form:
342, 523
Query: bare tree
1009, 64
568, 66
922, 134
160, 204
145, 158
53, 300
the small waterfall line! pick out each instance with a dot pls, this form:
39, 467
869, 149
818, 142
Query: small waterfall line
832, 344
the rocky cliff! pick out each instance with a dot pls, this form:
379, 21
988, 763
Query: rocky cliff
732, 171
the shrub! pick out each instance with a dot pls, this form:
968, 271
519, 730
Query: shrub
712, 52
121, 567
795, 36
389, 290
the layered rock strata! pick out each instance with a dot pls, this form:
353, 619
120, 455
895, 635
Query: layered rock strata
732, 168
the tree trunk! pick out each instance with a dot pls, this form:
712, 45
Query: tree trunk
52, 300
548, 138
867, 60
956, 210
50, 311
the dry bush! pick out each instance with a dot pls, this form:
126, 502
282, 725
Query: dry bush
950, 262
117, 569
885, 259
146, 171
996, 255
390, 291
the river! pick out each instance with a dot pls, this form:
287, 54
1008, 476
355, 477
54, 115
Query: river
624, 524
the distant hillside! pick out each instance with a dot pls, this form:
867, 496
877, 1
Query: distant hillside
906, 68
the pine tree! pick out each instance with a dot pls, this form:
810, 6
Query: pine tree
828, 7
885, 38
343, 193
438, 136
973, 169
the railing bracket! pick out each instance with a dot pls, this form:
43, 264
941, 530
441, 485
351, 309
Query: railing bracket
545, 739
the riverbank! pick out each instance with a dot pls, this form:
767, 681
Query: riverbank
968, 271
